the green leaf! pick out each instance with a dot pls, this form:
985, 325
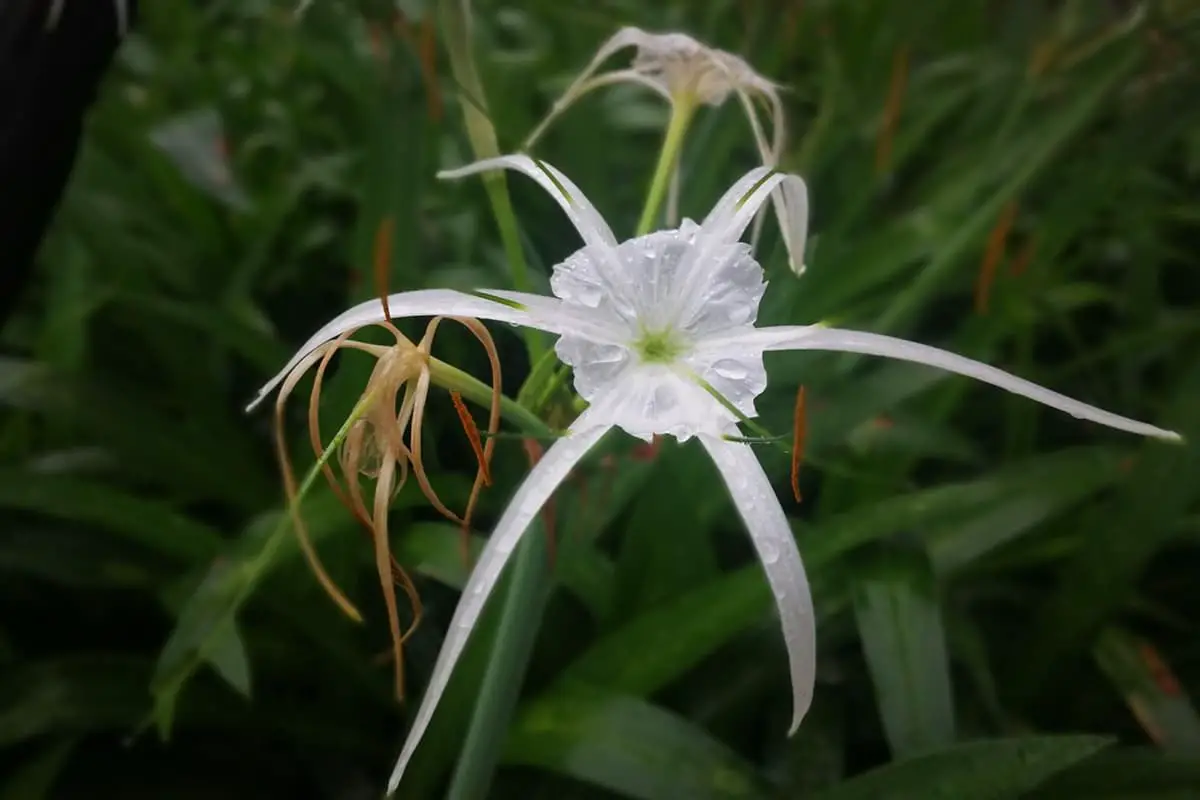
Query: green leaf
204, 455
1029, 157
997, 769
1015, 500
227, 655
677, 495
204, 630
1122, 536
964, 521
151, 524
1125, 774
195, 142
433, 549
74, 694
900, 622
35, 780
94, 562
627, 746
1150, 689
661, 644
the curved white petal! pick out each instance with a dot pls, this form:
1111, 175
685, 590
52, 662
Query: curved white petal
791, 198
649, 399
585, 85
765, 151
576, 320
815, 337
715, 265
772, 538
733, 212
632, 76
544, 313
584, 82
533, 493
582, 213
791, 209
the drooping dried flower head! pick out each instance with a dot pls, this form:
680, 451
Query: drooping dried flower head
384, 445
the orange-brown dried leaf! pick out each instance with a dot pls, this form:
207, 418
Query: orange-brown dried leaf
429, 71
382, 252
992, 256
897, 84
1023, 258
799, 427
291, 492
469, 427
383, 557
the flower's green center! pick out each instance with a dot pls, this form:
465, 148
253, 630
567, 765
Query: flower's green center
658, 347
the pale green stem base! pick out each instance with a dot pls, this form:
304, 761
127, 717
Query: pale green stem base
522, 602
682, 111
520, 617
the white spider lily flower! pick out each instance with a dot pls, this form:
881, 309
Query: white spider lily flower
645, 324
687, 73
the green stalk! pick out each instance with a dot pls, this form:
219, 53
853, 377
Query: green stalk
682, 111
181, 658
525, 596
456, 26
478, 392
523, 601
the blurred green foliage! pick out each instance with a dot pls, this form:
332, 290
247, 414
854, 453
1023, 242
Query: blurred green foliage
1005, 596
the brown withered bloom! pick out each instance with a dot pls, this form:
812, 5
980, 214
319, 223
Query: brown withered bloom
384, 445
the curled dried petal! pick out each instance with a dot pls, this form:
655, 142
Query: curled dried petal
289, 483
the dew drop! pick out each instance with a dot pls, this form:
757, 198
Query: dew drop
769, 551
588, 294
730, 369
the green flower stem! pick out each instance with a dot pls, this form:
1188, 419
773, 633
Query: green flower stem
522, 600
478, 392
180, 658
682, 111
506, 220
455, 17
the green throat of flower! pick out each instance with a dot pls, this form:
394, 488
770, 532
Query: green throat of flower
658, 347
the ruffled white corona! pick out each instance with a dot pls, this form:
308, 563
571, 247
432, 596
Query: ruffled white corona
687, 72
644, 323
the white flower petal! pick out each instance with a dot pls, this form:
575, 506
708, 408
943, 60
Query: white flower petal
582, 213
720, 266
791, 209
539, 312
815, 337
582, 322
533, 493
735, 209
790, 200
585, 83
648, 399
653, 285
772, 538
738, 377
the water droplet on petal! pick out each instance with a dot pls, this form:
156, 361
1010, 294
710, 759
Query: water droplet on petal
768, 551
730, 369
